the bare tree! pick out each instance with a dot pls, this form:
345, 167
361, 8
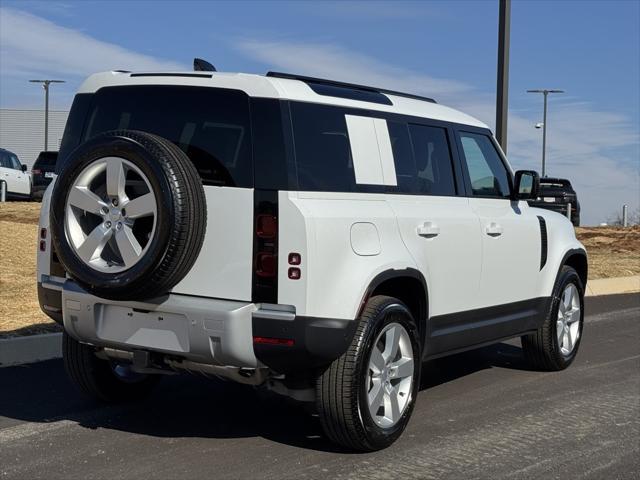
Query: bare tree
633, 218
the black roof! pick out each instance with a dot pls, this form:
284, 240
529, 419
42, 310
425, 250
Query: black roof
353, 86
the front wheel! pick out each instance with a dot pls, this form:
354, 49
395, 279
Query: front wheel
555, 344
365, 398
103, 380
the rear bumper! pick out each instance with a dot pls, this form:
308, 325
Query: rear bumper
313, 342
202, 330
206, 330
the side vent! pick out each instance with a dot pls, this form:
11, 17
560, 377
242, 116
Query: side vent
543, 242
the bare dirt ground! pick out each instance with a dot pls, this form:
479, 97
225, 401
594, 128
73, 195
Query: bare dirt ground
613, 252
19, 309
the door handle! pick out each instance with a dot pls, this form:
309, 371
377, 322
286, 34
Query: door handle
493, 229
428, 230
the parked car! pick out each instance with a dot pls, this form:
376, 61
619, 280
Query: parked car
556, 194
317, 238
42, 172
13, 174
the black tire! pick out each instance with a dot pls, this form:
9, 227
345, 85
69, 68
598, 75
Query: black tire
341, 389
96, 377
541, 348
180, 224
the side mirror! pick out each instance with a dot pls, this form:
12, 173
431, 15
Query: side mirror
23, 167
526, 185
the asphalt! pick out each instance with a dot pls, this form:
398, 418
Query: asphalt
481, 414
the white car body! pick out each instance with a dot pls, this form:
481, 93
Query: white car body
479, 260
18, 182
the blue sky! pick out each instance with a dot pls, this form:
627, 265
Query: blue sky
446, 50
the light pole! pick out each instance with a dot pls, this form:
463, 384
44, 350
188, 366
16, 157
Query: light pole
502, 89
45, 85
545, 92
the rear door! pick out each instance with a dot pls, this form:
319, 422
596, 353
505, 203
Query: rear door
439, 228
212, 126
509, 230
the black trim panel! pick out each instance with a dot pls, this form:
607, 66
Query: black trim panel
53, 300
571, 253
398, 274
264, 289
544, 247
452, 332
317, 341
192, 75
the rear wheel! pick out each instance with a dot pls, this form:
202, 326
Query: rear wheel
554, 346
365, 398
102, 379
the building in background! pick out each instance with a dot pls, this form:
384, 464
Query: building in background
22, 132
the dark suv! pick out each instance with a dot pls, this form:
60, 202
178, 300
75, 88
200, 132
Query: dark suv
555, 194
42, 172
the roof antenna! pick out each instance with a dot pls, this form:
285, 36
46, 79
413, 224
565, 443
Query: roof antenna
200, 65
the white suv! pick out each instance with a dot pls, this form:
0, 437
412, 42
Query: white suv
319, 238
14, 176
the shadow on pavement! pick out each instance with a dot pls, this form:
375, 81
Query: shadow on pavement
196, 407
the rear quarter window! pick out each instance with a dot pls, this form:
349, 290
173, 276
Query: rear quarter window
211, 125
322, 149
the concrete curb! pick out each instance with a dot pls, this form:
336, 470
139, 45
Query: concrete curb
30, 349
611, 286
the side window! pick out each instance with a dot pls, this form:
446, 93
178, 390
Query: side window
4, 160
406, 171
433, 164
487, 173
323, 154
15, 163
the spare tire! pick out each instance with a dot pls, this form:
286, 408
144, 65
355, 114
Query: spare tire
128, 215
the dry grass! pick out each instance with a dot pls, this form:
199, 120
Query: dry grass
613, 252
19, 306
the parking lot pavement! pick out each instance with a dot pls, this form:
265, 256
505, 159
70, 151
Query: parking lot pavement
480, 414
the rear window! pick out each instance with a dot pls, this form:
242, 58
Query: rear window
210, 125
47, 159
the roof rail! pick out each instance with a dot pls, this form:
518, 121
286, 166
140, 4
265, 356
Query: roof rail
354, 86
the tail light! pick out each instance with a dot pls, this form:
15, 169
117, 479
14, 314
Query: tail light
36, 171
43, 240
266, 226
265, 247
266, 265
287, 342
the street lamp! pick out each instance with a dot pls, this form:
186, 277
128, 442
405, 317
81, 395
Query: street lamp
45, 85
545, 92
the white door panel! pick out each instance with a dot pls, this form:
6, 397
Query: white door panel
23, 183
511, 251
10, 177
442, 234
224, 267
350, 238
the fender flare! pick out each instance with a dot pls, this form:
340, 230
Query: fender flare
408, 272
570, 253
